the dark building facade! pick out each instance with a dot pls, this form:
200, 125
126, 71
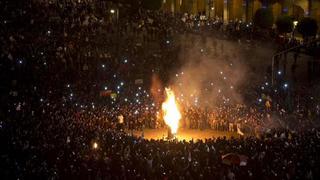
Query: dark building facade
244, 9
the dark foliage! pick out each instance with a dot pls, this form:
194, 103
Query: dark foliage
284, 24
263, 18
307, 27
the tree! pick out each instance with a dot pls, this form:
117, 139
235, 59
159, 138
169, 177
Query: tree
151, 4
284, 24
308, 27
297, 12
263, 18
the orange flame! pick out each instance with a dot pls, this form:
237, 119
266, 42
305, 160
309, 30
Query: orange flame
171, 113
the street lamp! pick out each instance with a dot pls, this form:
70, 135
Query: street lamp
112, 11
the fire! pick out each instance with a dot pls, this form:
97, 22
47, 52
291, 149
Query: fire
171, 113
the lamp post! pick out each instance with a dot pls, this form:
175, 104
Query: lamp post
115, 14
295, 23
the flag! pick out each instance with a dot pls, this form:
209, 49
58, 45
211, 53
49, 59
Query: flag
113, 95
268, 105
239, 131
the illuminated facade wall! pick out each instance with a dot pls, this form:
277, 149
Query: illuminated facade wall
315, 10
235, 9
218, 8
277, 10
243, 9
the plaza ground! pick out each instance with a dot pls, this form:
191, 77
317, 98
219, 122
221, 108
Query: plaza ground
185, 134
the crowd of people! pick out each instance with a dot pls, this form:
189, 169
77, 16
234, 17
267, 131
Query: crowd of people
73, 72
62, 147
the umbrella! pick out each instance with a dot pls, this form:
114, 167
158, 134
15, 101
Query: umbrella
234, 159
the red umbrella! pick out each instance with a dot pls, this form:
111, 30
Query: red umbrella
234, 159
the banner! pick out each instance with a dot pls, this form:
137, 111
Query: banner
138, 81
105, 93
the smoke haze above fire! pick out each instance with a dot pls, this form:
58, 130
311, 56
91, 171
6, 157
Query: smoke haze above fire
213, 71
